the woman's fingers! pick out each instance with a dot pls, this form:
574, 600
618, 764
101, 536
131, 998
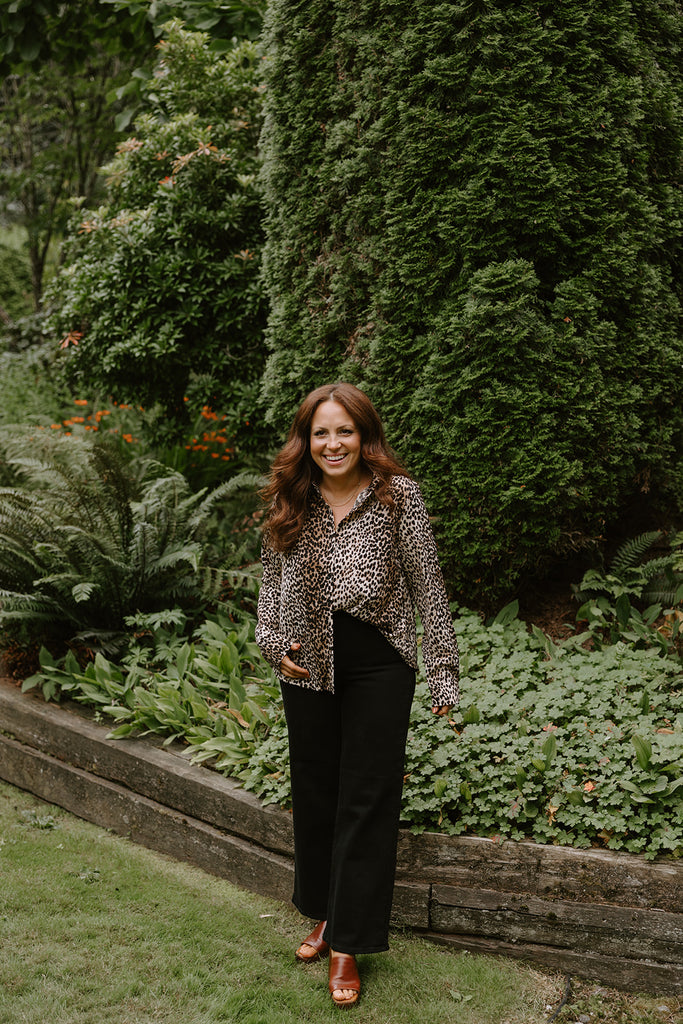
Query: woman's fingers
290, 668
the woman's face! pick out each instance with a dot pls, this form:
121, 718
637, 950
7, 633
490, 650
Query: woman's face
335, 444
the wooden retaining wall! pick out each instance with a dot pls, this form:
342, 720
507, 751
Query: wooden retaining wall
615, 918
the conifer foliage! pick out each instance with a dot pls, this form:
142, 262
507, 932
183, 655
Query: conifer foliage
474, 213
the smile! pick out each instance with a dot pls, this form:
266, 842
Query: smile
335, 458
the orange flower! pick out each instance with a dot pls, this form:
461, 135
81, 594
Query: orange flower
80, 401
589, 786
72, 338
56, 426
128, 438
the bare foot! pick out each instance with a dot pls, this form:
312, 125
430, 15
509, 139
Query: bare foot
314, 946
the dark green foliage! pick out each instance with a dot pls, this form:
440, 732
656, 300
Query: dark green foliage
58, 104
636, 601
37, 30
163, 282
15, 284
84, 544
474, 213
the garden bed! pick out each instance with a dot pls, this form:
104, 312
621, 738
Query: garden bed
613, 917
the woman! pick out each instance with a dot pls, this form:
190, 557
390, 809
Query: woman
348, 554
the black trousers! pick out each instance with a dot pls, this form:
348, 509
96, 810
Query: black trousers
347, 754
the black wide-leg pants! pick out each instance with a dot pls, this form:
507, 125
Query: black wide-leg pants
347, 753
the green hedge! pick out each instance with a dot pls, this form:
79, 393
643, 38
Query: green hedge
473, 213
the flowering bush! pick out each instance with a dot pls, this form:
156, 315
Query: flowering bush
160, 296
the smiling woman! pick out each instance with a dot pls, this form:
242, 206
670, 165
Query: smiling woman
336, 450
348, 553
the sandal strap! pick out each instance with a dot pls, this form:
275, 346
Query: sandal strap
343, 972
316, 941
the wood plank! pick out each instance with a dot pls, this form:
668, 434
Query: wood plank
145, 821
633, 975
513, 926
588, 876
561, 914
145, 767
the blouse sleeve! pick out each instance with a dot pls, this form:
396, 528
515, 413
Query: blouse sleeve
274, 645
422, 571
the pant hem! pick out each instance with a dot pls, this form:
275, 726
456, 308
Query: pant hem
356, 950
305, 913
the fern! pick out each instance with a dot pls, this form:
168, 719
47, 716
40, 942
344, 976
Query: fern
631, 553
85, 544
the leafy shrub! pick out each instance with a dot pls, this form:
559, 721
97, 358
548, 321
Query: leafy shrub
610, 600
84, 543
214, 693
473, 212
160, 291
547, 744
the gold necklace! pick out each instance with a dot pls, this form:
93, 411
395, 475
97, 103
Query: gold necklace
340, 504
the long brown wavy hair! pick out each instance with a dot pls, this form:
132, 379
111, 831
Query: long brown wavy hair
293, 469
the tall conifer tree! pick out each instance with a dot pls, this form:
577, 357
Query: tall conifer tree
475, 214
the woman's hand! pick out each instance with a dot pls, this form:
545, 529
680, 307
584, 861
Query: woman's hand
442, 709
290, 668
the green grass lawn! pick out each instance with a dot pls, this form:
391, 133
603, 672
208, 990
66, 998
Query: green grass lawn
94, 929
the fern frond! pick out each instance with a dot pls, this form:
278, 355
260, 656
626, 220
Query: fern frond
664, 596
630, 554
245, 481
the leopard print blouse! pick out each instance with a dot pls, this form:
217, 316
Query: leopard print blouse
378, 564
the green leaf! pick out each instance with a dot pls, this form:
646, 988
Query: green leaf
643, 749
507, 614
471, 716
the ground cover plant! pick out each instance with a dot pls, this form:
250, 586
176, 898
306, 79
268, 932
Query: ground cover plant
95, 930
562, 743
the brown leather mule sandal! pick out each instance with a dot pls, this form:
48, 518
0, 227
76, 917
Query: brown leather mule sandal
344, 974
316, 941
